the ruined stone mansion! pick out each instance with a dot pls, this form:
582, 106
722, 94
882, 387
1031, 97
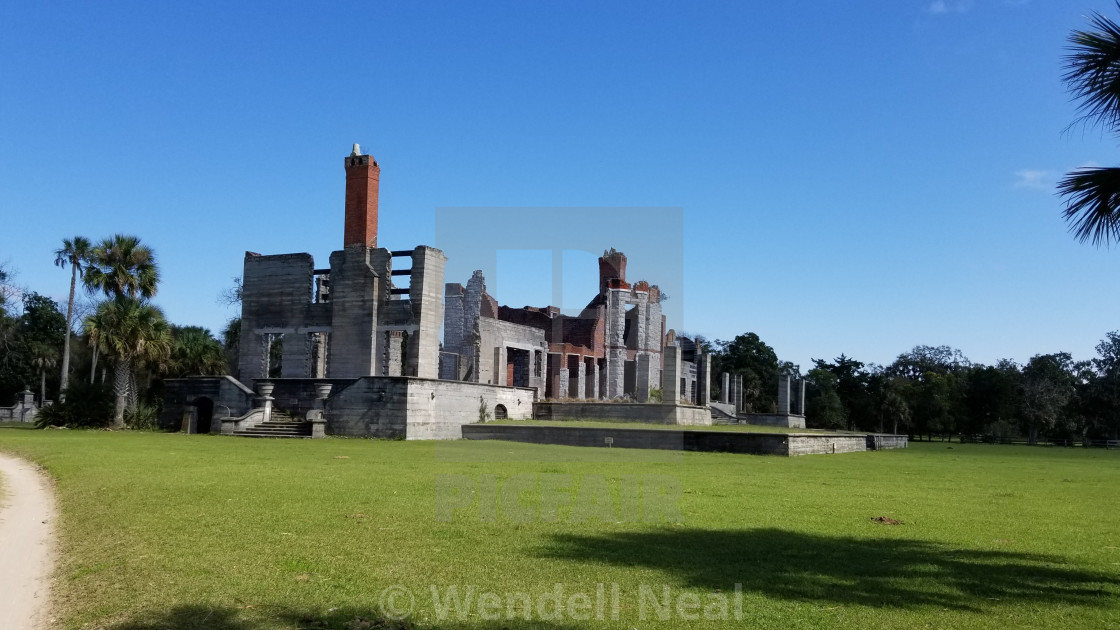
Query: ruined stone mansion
368, 323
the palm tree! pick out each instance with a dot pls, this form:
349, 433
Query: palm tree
120, 266
196, 352
133, 331
74, 252
44, 358
1093, 76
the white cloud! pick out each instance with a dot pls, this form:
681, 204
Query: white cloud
1034, 179
943, 7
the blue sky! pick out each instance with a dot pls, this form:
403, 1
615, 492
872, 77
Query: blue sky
840, 177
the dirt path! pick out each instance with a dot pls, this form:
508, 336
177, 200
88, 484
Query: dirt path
27, 518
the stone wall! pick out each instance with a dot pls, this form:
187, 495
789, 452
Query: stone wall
668, 439
419, 409
813, 444
226, 392
775, 420
623, 412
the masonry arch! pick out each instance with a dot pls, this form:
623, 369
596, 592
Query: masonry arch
203, 414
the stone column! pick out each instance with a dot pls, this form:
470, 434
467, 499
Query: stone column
500, 368
581, 379
593, 380
783, 394
393, 361
562, 390
641, 380
801, 399
253, 355
703, 380
725, 388
738, 393
425, 292
671, 376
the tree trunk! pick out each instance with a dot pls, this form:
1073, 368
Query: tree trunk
895, 431
93, 366
120, 388
66, 342
42, 387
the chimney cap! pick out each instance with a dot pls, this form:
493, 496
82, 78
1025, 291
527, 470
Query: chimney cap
356, 151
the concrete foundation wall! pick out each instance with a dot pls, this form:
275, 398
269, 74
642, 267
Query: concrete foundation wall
225, 391
826, 444
668, 439
623, 412
775, 420
419, 409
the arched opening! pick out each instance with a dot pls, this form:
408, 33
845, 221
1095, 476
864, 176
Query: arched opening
204, 414
500, 412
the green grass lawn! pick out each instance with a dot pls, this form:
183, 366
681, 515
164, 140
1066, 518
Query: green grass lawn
176, 531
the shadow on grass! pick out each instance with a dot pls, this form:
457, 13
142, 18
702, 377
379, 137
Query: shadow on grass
849, 571
202, 617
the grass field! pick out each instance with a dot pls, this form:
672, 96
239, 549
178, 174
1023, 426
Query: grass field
176, 531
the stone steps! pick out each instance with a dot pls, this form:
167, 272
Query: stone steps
280, 429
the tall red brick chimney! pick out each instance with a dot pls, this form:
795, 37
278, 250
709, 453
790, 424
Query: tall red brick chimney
362, 177
612, 266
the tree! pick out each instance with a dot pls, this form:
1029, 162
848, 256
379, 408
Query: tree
757, 363
1093, 76
195, 351
44, 358
852, 387
1048, 387
132, 331
231, 341
823, 407
74, 252
126, 326
121, 266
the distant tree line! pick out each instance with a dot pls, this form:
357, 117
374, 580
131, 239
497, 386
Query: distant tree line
102, 364
935, 391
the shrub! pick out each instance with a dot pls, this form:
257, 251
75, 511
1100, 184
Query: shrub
86, 406
142, 417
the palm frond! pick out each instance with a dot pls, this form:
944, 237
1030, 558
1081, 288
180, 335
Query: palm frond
1093, 71
1092, 204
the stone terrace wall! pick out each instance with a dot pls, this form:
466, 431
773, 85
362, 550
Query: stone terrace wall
624, 412
668, 439
418, 408
788, 420
225, 391
806, 444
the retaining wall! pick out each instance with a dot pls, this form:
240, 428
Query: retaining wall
647, 413
669, 439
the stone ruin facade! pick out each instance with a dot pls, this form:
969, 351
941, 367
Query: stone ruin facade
612, 350
351, 319
368, 326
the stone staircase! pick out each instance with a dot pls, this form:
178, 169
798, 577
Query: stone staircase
281, 426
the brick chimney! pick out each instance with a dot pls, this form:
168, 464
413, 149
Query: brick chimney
612, 266
362, 177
